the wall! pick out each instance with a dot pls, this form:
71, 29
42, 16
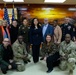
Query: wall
42, 11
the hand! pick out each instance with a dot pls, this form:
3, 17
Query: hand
9, 67
63, 58
10, 61
41, 42
31, 44
75, 41
26, 55
58, 43
45, 58
31, 47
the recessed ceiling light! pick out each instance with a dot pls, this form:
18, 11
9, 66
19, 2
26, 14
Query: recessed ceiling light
54, 1
72, 9
13, 0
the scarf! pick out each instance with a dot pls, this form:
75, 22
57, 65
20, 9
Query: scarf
5, 34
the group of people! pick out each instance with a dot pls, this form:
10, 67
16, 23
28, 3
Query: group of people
55, 44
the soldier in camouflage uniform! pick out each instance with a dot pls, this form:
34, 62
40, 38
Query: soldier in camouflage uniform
50, 53
24, 31
20, 53
67, 52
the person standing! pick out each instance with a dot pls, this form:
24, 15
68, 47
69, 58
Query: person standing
24, 31
57, 32
14, 31
35, 39
47, 29
67, 28
75, 32
4, 31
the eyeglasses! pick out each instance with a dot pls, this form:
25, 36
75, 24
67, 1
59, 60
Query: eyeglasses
6, 41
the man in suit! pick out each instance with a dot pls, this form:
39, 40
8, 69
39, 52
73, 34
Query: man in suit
67, 28
47, 29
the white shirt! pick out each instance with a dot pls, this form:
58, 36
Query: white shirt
44, 29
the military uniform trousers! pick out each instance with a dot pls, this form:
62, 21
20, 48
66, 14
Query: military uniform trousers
21, 63
67, 64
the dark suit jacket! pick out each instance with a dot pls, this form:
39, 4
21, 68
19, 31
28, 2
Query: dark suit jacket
69, 29
49, 30
1, 36
35, 36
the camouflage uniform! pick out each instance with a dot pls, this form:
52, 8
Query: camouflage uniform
24, 31
19, 50
69, 51
48, 49
51, 52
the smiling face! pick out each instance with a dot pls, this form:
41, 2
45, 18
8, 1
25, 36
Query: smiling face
45, 21
14, 23
20, 39
25, 22
4, 23
6, 42
66, 20
48, 38
67, 38
35, 21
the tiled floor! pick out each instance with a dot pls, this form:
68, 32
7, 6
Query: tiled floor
38, 69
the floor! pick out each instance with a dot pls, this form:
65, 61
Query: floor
38, 69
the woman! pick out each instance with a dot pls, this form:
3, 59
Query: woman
14, 31
4, 31
50, 53
35, 39
57, 32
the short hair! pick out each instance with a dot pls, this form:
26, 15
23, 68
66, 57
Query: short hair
19, 35
56, 20
24, 19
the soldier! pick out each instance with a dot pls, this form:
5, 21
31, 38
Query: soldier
24, 31
20, 53
67, 52
67, 28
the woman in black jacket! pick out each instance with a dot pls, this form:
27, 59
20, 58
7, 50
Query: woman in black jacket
14, 31
35, 39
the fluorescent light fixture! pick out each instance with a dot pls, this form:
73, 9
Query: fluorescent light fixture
54, 1
72, 9
13, 0
22, 8
47, 8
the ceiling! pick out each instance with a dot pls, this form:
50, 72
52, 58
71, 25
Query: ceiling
70, 2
